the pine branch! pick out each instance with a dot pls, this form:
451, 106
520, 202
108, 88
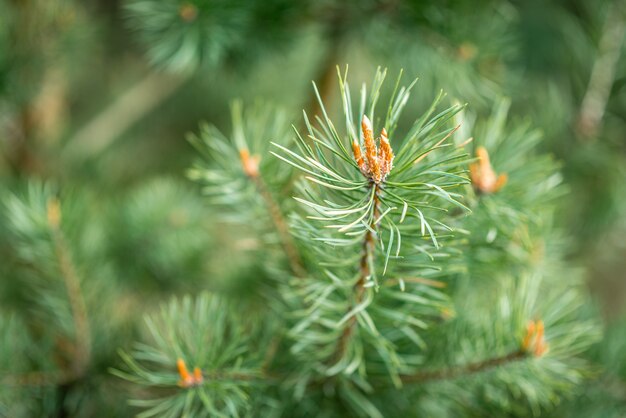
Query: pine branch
38, 379
74, 293
464, 370
120, 115
369, 247
293, 256
603, 72
239, 167
325, 76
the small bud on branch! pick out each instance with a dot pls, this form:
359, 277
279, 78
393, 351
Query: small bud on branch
379, 159
250, 163
483, 176
188, 12
534, 341
187, 379
53, 212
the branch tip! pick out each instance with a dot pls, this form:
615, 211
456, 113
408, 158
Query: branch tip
483, 176
378, 159
534, 340
187, 379
250, 163
53, 212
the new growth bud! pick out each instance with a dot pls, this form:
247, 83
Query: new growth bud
534, 341
483, 176
53, 212
187, 379
250, 163
378, 161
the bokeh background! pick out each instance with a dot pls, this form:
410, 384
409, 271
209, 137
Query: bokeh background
97, 97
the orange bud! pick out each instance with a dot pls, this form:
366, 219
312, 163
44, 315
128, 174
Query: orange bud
386, 153
250, 163
534, 339
540, 343
53, 212
188, 12
370, 149
530, 331
483, 176
358, 157
185, 377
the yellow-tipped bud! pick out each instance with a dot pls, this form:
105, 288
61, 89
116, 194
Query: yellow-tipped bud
378, 161
250, 163
534, 340
53, 212
371, 153
483, 176
187, 379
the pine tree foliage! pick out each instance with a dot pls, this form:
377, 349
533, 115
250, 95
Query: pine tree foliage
515, 256
603, 397
351, 273
373, 238
210, 335
18, 355
53, 256
240, 177
424, 286
167, 235
184, 35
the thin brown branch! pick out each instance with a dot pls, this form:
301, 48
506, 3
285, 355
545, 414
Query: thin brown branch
72, 285
464, 370
38, 379
293, 256
417, 378
369, 246
418, 280
324, 78
603, 73
138, 101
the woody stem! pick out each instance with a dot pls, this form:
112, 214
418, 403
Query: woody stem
369, 246
464, 370
293, 256
77, 303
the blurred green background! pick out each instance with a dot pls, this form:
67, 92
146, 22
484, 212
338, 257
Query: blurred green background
97, 96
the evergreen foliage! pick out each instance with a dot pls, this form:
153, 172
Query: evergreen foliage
391, 251
401, 301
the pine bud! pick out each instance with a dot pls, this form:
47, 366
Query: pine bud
378, 160
250, 163
483, 176
534, 340
53, 212
370, 149
197, 375
186, 378
386, 153
358, 157
188, 12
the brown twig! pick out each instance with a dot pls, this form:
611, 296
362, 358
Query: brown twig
326, 71
74, 293
38, 379
420, 377
82, 354
419, 280
369, 246
250, 164
138, 101
603, 73
464, 370
281, 226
